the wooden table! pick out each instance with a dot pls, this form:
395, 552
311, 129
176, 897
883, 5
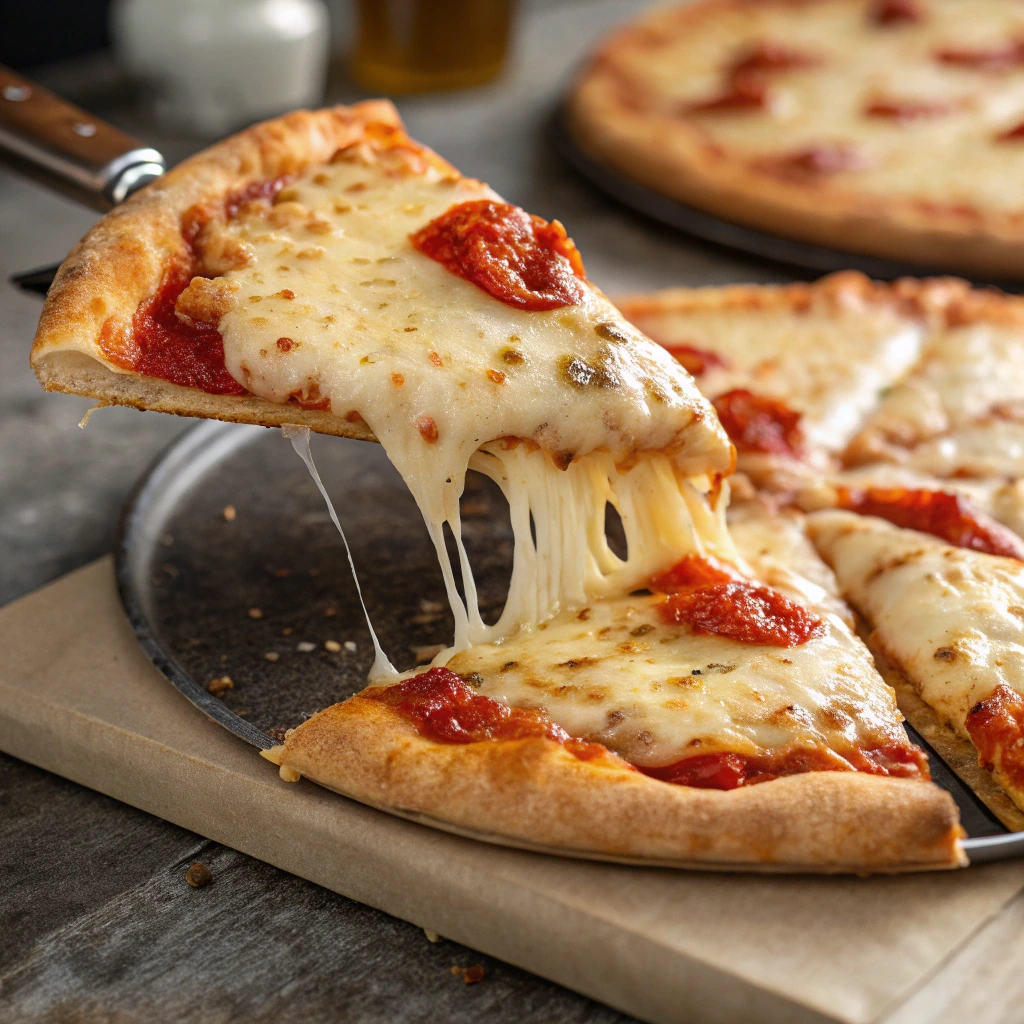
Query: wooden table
97, 920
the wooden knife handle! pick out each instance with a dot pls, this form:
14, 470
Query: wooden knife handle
65, 148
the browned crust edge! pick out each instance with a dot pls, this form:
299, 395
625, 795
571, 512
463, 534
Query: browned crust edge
673, 157
121, 261
533, 792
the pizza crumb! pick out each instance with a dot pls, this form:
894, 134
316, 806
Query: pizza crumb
255, 613
287, 631
278, 733
305, 646
271, 656
220, 685
288, 774
350, 646
229, 513
332, 645
198, 875
431, 936
427, 653
470, 975
329, 613
281, 573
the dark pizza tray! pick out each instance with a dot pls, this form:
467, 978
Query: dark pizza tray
209, 596
709, 228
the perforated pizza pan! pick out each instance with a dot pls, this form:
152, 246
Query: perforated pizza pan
228, 565
709, 228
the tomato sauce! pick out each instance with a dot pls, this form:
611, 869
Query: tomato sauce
949, 517
445, 708
993, 58
756, 423
180, 351
897, 12
725, 770
745, 91
996, 726
697, 361
521, 260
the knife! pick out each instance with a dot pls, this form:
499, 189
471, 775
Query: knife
69, 150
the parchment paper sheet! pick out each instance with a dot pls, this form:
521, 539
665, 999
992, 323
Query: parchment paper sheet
78, 697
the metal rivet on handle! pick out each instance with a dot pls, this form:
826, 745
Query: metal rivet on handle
17, 93
84, 128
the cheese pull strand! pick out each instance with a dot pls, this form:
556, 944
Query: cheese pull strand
382, 671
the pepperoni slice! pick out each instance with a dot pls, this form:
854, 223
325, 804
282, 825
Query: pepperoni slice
519, 259
696, 360
1014, 134
949, 517
443, 707
724, 770
756, 423
996, 727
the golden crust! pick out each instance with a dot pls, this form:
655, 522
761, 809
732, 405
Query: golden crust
533, 792
674, 156
122, 259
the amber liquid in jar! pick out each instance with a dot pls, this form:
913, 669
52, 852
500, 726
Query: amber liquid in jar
408, 46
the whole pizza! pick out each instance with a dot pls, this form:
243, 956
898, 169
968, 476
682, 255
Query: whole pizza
704, 697
891, 128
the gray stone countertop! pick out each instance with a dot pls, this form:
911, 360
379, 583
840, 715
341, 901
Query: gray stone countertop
96, 918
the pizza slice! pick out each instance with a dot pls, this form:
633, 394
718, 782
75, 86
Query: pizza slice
793, 371
959, 412
718, 719
950, 618
324, 271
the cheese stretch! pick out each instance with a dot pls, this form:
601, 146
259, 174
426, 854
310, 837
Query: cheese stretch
569, 411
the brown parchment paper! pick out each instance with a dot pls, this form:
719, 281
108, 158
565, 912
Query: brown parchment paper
78, 697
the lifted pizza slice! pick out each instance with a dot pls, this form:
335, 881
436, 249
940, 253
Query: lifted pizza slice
950, 618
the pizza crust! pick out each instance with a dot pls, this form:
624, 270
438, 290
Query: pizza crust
533, 792
122, 259
675, 157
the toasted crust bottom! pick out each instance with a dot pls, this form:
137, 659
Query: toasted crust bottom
122, 259
533, 793
676, 158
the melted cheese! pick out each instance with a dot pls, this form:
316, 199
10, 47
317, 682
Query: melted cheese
951, 618
333, 304
614, 672
949, 159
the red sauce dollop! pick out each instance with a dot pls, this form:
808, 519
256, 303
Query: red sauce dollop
1014, 134
517, 258
895, 12
176, 350
712, 598
756, 423
994, 58
747, 90
730, 771
949, 517
445, 708
772, 56
697, 360
996, 726
906, 110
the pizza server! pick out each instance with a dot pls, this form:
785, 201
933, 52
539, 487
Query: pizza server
61, 146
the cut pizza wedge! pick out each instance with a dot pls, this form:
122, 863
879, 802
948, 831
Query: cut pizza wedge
732, 722
959, 412
793, 371
951, 619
